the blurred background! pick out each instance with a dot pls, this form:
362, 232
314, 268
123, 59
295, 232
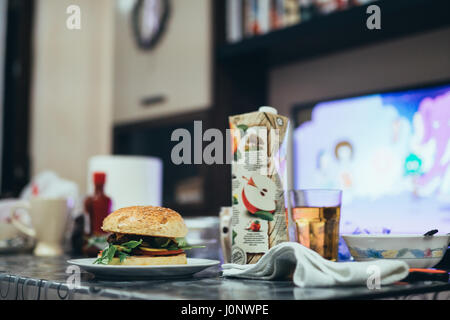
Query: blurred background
135, 70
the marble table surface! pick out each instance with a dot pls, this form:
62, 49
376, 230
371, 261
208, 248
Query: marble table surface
28, 277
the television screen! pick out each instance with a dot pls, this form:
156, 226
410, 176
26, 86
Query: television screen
388, 152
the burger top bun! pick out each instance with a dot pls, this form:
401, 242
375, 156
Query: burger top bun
146, 221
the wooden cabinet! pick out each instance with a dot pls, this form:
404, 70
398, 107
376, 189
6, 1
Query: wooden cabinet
175, 76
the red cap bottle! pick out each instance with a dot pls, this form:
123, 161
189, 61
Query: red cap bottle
97, 206
99, 178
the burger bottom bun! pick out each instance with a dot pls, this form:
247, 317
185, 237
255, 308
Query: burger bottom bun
151, 261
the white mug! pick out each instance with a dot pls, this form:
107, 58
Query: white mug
48, 223
7, 231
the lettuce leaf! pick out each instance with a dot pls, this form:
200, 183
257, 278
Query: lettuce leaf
107, 255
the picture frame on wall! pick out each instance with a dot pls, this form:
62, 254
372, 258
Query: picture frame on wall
149, 22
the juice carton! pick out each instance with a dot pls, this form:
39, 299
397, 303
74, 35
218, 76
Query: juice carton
259, 180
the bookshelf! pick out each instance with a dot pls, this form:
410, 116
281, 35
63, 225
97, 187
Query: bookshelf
339, 31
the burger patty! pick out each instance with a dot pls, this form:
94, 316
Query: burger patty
147, 241
117, 238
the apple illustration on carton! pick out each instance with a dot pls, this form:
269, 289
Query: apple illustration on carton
258, 194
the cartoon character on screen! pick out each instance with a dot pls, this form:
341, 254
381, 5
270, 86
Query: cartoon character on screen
344, 156
431, 143
413, 170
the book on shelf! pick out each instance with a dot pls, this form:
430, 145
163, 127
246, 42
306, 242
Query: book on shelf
276, 14
248, 18
251, 22
263, 15
234, 20
291, 12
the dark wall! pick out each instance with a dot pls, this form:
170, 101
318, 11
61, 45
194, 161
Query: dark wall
16, 110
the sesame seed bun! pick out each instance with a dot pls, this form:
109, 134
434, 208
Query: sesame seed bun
146, 221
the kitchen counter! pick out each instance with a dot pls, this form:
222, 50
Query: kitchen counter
28, 277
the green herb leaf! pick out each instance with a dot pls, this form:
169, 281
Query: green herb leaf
159, 242
107, 255
111, 252
122, 256
182, 244
122, 249
132, 244
98, 261
122, 252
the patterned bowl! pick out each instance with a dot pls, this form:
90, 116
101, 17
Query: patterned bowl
416, 250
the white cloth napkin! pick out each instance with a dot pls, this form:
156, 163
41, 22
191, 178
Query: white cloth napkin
311, 270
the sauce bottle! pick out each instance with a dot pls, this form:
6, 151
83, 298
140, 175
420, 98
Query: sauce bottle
97, 206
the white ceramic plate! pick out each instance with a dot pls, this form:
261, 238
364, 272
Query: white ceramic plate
141, 272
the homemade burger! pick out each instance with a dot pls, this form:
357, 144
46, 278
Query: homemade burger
144, 235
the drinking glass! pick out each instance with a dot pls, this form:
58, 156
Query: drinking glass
317, 213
